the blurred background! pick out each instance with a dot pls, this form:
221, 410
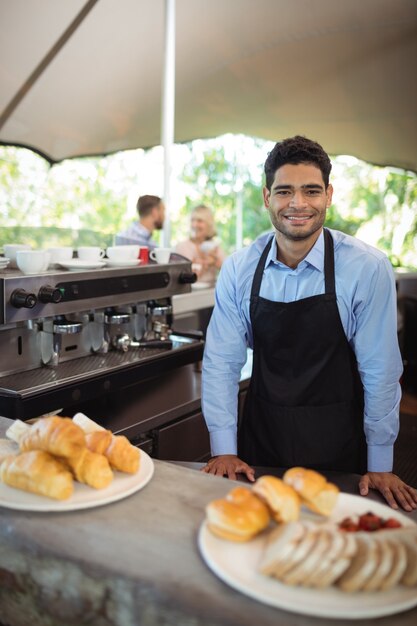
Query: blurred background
88, 200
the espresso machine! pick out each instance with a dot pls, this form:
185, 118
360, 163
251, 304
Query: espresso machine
68, 337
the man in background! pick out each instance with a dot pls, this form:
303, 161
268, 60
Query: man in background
151, 211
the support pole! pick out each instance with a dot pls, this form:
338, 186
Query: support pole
168, 111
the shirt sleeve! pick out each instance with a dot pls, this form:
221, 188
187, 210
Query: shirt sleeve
375, 343
225, 354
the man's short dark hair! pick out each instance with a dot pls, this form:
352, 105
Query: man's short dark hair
297, 150
145, 204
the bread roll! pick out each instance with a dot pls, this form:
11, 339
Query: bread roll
316, 493
38, 472
324, 502
306, 482
238, 517
281, 499
56, 435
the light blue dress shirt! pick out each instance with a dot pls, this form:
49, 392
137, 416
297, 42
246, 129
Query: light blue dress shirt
135, 234
366, 298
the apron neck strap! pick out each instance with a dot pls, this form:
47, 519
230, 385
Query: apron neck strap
257, 279
329, 278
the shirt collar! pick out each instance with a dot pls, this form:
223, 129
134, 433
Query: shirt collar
143, 230
315, 257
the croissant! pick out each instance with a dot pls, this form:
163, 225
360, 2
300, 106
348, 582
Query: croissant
38, 472
119, 451
57, 435
91, 469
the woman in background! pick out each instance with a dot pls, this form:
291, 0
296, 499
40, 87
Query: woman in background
202, 248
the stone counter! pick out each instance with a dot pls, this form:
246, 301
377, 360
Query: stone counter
130, 563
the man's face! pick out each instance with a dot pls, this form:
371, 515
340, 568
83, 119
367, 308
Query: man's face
159, 216
297, 201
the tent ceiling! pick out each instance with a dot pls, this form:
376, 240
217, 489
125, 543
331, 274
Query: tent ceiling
342, 72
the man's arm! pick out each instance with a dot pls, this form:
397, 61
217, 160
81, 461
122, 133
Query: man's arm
224, 356
380, 366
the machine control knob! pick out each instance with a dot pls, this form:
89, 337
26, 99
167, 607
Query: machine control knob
49, 294
188, 278
21, 299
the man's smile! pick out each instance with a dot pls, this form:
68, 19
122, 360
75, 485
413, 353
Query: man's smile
298, 218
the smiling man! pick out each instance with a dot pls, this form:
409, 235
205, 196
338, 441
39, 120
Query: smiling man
318, 307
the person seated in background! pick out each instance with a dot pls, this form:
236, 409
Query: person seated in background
151, 211
202, 248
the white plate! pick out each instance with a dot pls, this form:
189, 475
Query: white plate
84, 497
199, 285
237, 564
127, 263
79, 264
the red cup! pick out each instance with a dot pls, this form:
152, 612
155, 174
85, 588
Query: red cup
144, 254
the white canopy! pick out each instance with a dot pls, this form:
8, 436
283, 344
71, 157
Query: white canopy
342, 72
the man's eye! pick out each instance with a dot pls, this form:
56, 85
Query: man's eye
282, 192
313, 192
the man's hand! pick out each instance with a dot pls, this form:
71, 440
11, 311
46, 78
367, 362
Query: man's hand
229, 465
395, 491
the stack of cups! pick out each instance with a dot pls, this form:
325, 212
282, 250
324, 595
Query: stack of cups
10, 250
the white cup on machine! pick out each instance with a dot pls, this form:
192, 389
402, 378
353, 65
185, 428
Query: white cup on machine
90, 253
32, 261
160, 255
60, 254
123, 253
10, 249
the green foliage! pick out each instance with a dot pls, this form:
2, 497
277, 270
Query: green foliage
84, 201
220, 179
78, 202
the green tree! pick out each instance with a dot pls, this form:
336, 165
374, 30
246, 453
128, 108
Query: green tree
84, 201
220, 178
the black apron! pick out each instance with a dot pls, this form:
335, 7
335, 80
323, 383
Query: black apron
304, 405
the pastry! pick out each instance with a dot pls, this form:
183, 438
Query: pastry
91, 469
315, 492
282, 500
56, 435
119, 451
238, 517
38, 472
